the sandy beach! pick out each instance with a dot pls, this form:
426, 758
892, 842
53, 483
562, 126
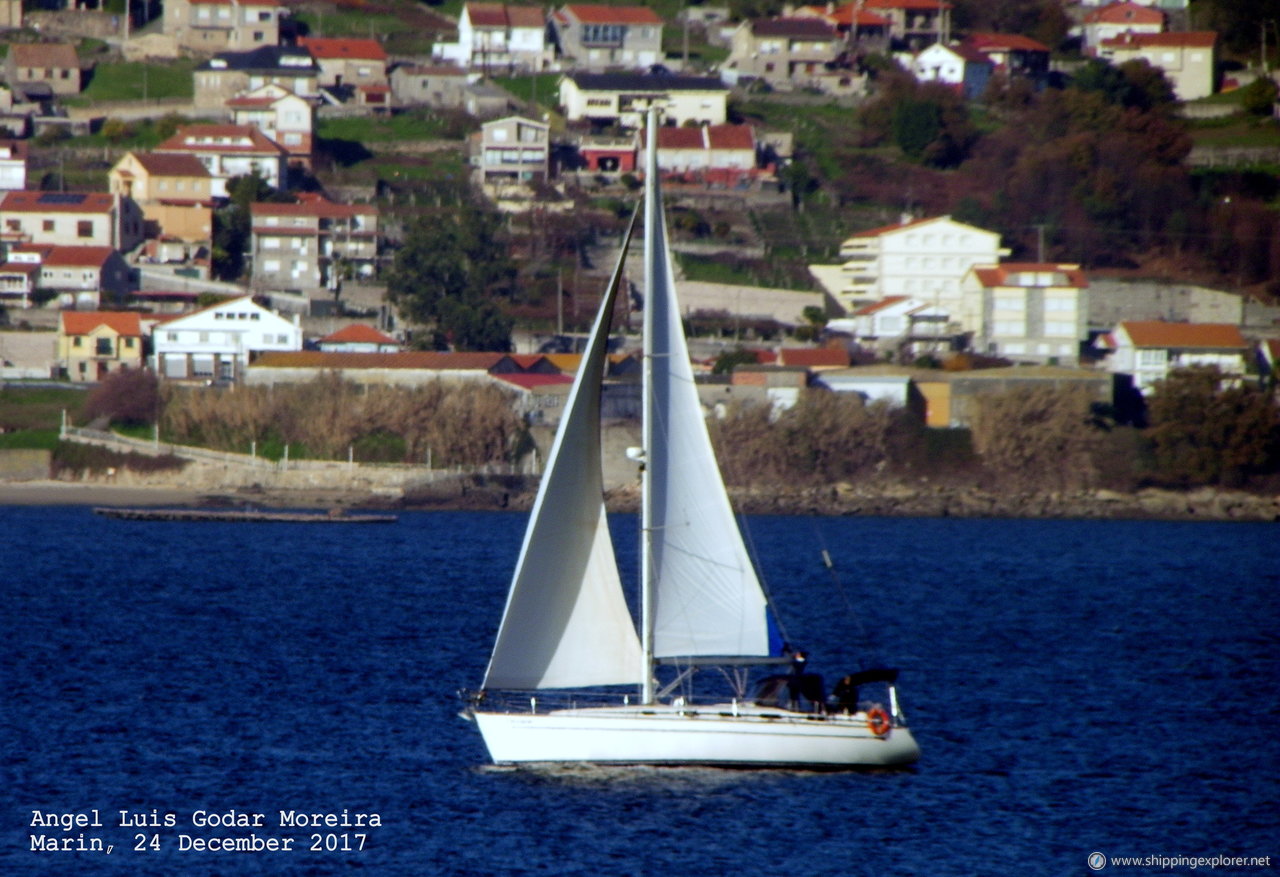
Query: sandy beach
69, 493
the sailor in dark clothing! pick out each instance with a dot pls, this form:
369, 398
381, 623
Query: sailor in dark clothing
845, 695
802, 684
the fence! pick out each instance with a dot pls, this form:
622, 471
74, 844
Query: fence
154, 447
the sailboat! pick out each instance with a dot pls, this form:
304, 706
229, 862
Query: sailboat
571, 679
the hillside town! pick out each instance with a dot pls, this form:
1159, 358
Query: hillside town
256, 225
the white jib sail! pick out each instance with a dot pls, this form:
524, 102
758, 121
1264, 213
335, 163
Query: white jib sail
707, 597
566, 622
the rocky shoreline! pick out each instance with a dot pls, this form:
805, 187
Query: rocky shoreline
516, 493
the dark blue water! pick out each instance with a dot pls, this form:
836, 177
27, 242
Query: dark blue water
1074, 686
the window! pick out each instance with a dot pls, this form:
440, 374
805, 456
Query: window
1152, 357
103, 347
171, 337
47, 225
84, 228
204, 337
76, 341
12, 225
128, 342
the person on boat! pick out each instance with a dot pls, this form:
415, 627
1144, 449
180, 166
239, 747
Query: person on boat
803, 684
845, 695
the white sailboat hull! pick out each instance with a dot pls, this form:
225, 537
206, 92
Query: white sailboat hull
716, 734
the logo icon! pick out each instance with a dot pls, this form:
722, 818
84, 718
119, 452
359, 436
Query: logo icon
1097, 861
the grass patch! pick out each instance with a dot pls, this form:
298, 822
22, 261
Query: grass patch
1237, 131
539, 89
409, 126
29, 439
135, 81
38, 408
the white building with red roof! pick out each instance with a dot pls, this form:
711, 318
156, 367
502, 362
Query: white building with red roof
926, 259
899, 324
723, 154
344, 61
1028, 312
312, 245
84, 276
595, 37
359, 338
229, 151
499, 37
94, 344
1186, 58
218, 342
962, 67
1110, 21
281, 115
1148, 350
70, 219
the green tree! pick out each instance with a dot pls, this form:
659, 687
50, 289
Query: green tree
449, 274
1205, 431
1259, 97
232, 223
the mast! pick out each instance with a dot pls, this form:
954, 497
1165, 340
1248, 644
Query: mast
651, 219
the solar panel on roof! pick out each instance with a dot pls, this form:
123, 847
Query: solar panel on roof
61, 198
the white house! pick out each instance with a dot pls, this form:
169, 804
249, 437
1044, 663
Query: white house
624, 98
923, 259
13, 164
897, 323
281, 115
1032, 312
962, 67
1109, 22
217, 343
229, 151
1186, 58
1149, 350
499, 36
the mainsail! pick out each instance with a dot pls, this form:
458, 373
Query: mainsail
707, 600
566, 622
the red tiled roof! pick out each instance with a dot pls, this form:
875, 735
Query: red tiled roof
679, 138
503, 16
922, 5
707, 137
591, 13
84, 322
335, 47
843, 15
19, 267
161, 164
1004, 42
874, 307
1156, 333
999, 275
78, 257
731, 136
884, 229
23, 201
529, 380
1124, 13
57, 55
358, 333
317, 206
1203, 39
207, 139
413, 359
814, 357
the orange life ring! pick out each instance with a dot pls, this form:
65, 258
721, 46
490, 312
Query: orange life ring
878, 721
